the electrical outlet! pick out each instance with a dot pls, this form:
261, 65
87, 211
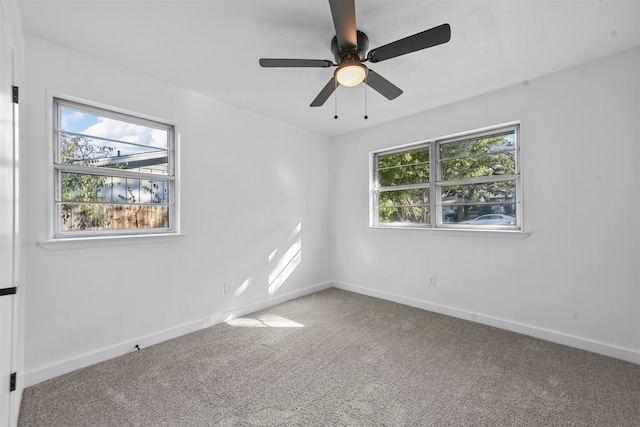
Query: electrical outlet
227, 288
431, 280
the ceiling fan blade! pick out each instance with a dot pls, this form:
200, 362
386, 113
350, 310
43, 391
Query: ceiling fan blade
344, 21
382, 85
325, 93
432, 37
278, 62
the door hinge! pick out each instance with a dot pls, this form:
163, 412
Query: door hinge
15, 94
8, 291
12, 381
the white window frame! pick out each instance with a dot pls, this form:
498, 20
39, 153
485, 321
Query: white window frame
58, 168
436, 183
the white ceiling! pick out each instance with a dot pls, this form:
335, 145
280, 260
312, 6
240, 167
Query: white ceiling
213, 47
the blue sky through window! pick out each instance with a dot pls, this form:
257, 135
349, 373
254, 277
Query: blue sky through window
103, 127
75, 121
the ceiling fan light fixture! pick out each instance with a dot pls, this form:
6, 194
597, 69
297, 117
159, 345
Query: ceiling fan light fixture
349, 48
351, 74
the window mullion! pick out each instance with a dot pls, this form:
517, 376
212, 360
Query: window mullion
103, 138
434, 176
408, 165
479, 180
402, 187
171, 156
120, 173
374, 213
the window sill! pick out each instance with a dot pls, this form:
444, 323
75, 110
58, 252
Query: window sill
451, 232
107, 241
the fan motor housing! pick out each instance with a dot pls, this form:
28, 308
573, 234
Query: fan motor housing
358, 53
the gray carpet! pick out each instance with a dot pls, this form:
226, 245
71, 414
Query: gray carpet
337, 358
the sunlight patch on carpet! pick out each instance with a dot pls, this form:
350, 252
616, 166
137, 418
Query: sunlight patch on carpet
264, 321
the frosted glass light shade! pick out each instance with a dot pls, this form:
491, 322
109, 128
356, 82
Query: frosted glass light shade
351, 75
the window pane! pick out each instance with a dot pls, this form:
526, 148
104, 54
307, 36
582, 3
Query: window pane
404, 168
103, 127
498, 214
84, 151
466, 202
406, 158
78, 187
87, 216
476, 166
485, 192
505, 141
404, 206
476, 157
403, 175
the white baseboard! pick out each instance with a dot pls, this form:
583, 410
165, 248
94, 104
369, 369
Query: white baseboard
274, 301
43, 374
605, 349
52, 371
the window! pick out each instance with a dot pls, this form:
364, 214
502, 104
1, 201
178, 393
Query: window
114, 173
470, 181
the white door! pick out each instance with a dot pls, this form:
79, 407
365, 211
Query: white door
7, 222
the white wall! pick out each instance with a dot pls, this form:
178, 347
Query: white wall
575, 278
267, 189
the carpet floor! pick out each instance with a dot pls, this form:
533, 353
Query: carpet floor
335, 358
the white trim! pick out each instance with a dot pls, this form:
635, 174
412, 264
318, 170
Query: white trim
626, 354
51, 371
105, 241
57, 369
51, 94
436, 183
470, 133
452, 232
89, 105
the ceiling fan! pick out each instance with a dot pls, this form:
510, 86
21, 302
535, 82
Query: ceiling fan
349, 47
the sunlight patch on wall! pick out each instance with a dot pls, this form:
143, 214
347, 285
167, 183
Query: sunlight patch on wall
287, 263
243, 287
264, 321
296, 230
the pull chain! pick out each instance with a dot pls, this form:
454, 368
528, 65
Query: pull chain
335, 116
365, 99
